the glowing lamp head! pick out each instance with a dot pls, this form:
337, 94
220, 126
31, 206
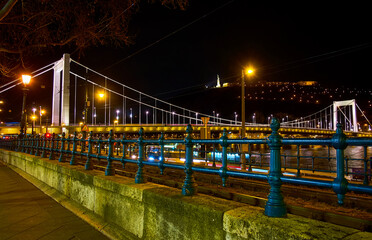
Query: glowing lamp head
26, 79
249, 71
101, 95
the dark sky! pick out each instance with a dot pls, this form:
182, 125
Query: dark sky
282, 41
287, 41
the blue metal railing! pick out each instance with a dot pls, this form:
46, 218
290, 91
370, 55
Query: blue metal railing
91, 148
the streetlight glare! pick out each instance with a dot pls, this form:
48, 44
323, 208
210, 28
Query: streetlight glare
101, 95
249, 71
26, 79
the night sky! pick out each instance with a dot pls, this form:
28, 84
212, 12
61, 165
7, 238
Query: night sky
327, 43
283, 42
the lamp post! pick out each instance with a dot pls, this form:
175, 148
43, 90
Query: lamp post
249, 72
147, 115
95, 116
26, 80
117, 115
196, 118
236, 118
41, 114
33, 120
131, 116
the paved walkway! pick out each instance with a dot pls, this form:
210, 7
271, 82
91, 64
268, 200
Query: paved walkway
27, 213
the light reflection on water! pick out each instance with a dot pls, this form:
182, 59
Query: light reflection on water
354, 154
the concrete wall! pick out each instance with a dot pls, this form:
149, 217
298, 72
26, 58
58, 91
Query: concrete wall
124, 210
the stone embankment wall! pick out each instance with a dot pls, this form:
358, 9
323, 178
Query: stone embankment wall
122, 209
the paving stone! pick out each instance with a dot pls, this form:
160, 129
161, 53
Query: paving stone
28, 213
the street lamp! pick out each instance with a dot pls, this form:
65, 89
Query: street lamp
26, 80
249, 72
217, 117
41, 114
236, 118
131, 116
33, 120
196, 118
117, 115
147, 115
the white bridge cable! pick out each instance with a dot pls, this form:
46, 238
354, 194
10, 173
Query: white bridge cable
363, 114
309, 116
19, 79
10, 87
144, 94
344, 114
135, 90
129, 98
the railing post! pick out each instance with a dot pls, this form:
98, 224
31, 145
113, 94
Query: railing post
124, 146
139, 174
250, 157
365, 182
298, 173
18, 148
214, 155
99, 146
51, 155
223, 169
37, 145
162, 158
110, 171
43, 140
189, 186
63, 139
275, 206
32, 145
340, 183
24, 136
68, 140
88, 164
72, 160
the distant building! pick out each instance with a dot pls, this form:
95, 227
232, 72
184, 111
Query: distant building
218, 82
307, 83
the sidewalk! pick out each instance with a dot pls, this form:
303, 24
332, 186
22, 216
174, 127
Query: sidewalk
27, 213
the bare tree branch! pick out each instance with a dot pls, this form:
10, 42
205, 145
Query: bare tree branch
7, 8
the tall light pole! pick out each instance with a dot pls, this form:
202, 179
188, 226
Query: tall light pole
236, 118
147, 115
26, 80
117, 115
131, 116
33, 120
249, 72
41, 114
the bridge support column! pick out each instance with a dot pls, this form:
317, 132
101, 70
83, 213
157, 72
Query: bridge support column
61, 92
337, 104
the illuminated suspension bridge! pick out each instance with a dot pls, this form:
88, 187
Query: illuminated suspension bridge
109, 102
